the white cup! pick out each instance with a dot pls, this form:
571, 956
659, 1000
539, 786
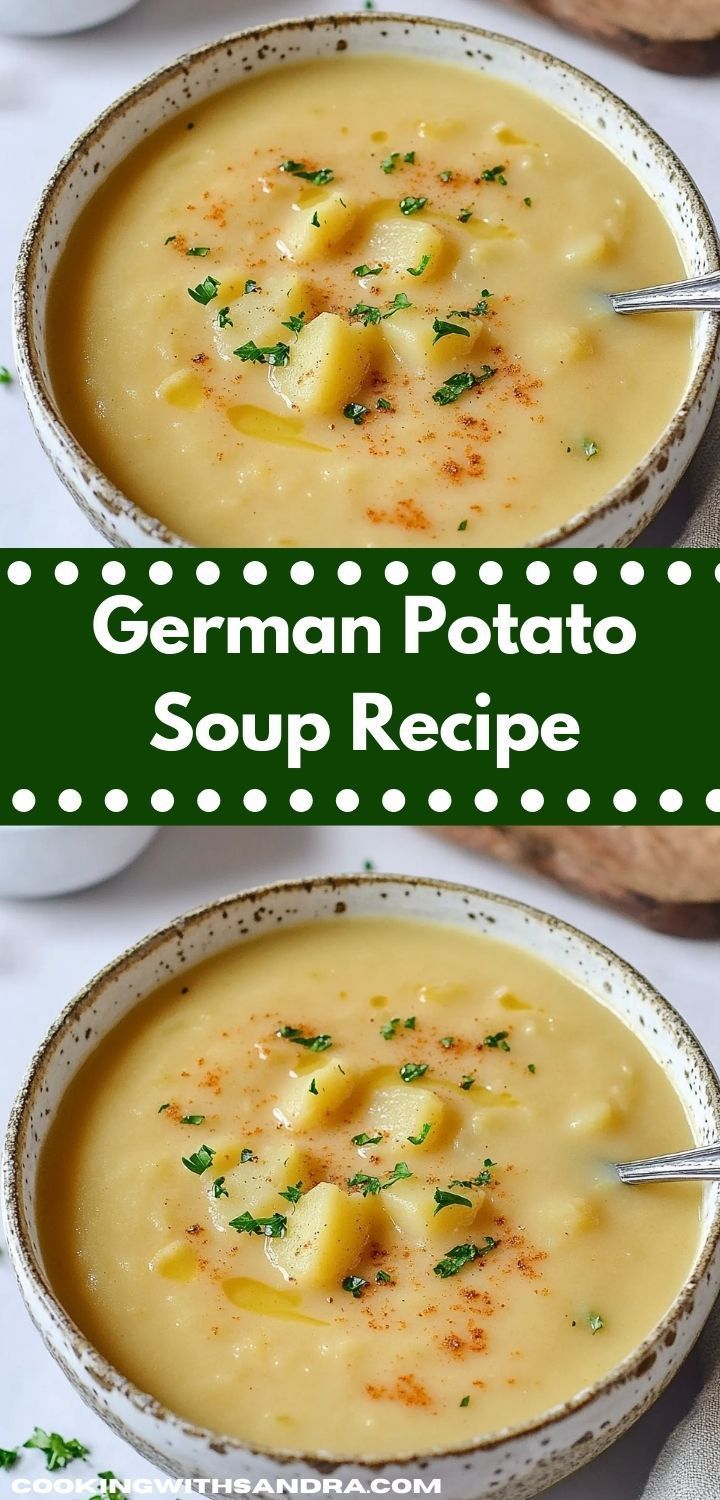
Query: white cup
36, 860
53, 17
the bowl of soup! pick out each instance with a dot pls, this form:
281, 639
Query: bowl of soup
342, 281
310, 1182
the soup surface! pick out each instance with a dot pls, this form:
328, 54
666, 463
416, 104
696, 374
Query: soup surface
356, 302
341, 1189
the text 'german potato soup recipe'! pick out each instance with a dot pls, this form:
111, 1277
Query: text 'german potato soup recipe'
358, 302
359, 1168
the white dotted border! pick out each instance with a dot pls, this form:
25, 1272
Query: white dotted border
393, 800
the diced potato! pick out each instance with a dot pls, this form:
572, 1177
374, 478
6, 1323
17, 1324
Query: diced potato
411, 1206
561, 346
560, 1219
325, 1237
334, 1079
176, 1261
182, 388
313, 232
590, 249
260, 315
594, 1116
327, 365
255, 1186
401, 1112
401, 243
412, 340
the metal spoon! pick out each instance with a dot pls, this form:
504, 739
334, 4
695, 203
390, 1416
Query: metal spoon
702, 1165
699, 295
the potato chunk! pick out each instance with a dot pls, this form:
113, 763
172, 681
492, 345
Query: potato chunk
334, 1080
401, 1112
313, 232
325, 1237
327, 366
411, 337
403, 243
255, 1187
260, 315
411, 1207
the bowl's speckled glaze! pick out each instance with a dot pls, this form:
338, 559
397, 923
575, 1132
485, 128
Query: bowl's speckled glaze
613, 521
509, 1465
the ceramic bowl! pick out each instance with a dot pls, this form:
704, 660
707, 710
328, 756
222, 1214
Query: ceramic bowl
509, 1465
57, 17
44, 860
615, 519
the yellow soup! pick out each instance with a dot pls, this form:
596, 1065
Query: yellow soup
341, 1189
357, 302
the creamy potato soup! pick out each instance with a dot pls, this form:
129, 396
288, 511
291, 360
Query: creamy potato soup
357, 302
344, 1190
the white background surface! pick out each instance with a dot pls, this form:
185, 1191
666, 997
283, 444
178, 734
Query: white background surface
48, 949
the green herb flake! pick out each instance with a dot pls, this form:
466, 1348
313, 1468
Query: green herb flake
446, 176
313, 1087
388, 165
318, 178
315, 220
483, 1178
399, 1172
163, 1107
495, 174
355, 412
201, 250
355, 1285
463, 526
591, 448
463, 1255
596, 1322
59, 1451
410, 1023
498, 1040
267, 354
293, 1192
224, 319
200, 1160
251, 286
465, 215
467, 1081
368, 864
444, 1199
409, 206
465, 1401
410, 1071
204, 291
219, 1189
369, 314
532, 1068
273, 1226
527, 202
363, 1139
417, 1140
383, 1278
193, 1120
171, 239
371, 1186
9, 1456
420, 267
389, 1028
296, 323
247, 1155
368, 270
383, 405
441, 329
313, 1043
456, 385
447, 1041
478, 311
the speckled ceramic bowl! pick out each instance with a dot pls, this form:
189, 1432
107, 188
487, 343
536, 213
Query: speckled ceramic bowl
614, 520
509, 1465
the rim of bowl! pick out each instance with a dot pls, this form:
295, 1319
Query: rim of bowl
114, 500
96, 1364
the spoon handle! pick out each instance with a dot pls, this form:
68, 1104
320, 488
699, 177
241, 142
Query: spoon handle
701, 1165
700, 295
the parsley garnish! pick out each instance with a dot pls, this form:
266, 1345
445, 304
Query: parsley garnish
596, 1322
462, 1255
412, 205
273, 1227
298, 169
247, 1155
383, 1278
456, 385
420, 267
499, 1040
370, 314
162, 1108
268, 354
383, 405
465, 214
445, 1199
410, 157
313, 1043
446, 176
527, 202
219, 1188
193, 1120
315, 220
367, 270
355, 412
201, 250
465, 1401
371, 1186
366, 1140
204, 291
447, 1041
591, 448
462, 526
171, 239
293, 1192
296, 323
224, 319
532, 1068
410, 1071
467, 1081
251, 286
9, 1456
482, 1179
388, 165
478, 311
200, 1160
313, 1087
441, 329
59, 1451
495, 174
354, 1284
417, 1140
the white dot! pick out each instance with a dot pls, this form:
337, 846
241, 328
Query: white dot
255, 572
679, 572
485, 800
349, 572
439, 800
537, 572
301, 800
208, 800
393, 800
70, 801
578, 801
23, 800
160, 572
443, 572
254, 800
66, 572
585, 572
632, 572
490, 572
671, 800
397, 572
19, 572
717, 572
207, 572
532, 800
116, 800
347, 800
712, 801
162, 800
624, 800
113, 572
302, 572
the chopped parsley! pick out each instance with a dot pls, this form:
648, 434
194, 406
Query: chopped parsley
410, 157
313, 1087
441, 329
371, 1186
368, 864
162, 1108
367, 270
456, 385
465, 215
532, 1068
446, 176
412, 205
389, 1029
465, 1401
219, 1188
369, 314
59, 1451
422, 265
224, 319
315, 220
193, 1120
498, 1040
9, 1456
447, 1041
355, 1285
527, 202
201, 250
293, 1192
383, 1278
273, 1227
463, 526
478, 311
267, 354
355, 412
463, 1255
596, 1322
313, 1043
482, 1179
247, 1155
363, 1139
204, 291
390, 162
417, 1140
171, 239
591, 448
296, 323
298, 169
251, 286
444, 1199
410, 1071
467, 1081
383, 405
200, 1160
495, 174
